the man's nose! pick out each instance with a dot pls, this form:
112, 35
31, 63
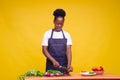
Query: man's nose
59, 25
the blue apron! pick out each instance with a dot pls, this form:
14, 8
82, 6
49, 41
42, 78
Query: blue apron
57, 49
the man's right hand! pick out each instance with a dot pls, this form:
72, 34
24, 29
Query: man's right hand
55, 63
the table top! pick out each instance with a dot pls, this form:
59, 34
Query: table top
105, 76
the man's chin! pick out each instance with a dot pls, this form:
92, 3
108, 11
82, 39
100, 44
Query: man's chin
58, 30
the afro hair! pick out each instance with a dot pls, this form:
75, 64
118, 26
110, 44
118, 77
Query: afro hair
59, 12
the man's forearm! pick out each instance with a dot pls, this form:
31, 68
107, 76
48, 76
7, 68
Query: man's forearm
69, 55
47, 54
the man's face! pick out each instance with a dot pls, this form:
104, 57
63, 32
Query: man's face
59, 22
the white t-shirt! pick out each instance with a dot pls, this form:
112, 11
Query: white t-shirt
56, 35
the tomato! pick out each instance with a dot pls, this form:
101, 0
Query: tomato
94, 69
98, 69
64, 72
101, 68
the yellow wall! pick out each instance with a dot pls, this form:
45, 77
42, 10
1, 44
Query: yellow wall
94, 26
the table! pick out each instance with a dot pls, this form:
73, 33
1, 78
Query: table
105, 76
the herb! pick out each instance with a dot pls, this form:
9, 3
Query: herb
30, 73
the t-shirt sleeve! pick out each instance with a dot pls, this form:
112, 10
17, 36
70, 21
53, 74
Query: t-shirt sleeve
45, 39
69, 40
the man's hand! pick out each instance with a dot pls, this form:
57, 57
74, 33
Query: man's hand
70, 68
55, 63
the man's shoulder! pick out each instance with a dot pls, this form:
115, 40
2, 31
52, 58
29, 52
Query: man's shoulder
48, 31
65, 32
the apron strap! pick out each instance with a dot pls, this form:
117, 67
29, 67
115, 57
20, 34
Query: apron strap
63, 34
53, 31
51, 34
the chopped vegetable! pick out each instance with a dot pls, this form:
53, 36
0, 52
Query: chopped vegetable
30, 73
91, 72
53, 73
49, 73
57, 74
39, 73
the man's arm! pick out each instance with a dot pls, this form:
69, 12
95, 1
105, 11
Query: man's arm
69, 57
47, 54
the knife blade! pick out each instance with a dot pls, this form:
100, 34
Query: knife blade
63, 67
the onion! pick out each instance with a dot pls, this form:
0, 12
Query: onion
57, 74
51, 74
47, 74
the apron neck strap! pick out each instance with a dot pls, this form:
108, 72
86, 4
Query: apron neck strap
63, 34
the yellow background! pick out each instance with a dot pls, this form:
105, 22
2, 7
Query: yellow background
94, 26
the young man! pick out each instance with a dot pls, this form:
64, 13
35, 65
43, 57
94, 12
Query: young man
56, 45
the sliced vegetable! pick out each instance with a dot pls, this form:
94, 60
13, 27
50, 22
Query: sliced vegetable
57, 74
91, 72
39, 73
53, 73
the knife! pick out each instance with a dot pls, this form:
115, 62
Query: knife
63, 67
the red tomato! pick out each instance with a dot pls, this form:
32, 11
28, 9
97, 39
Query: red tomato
94, 69
98, 69
64, 72
101, 68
